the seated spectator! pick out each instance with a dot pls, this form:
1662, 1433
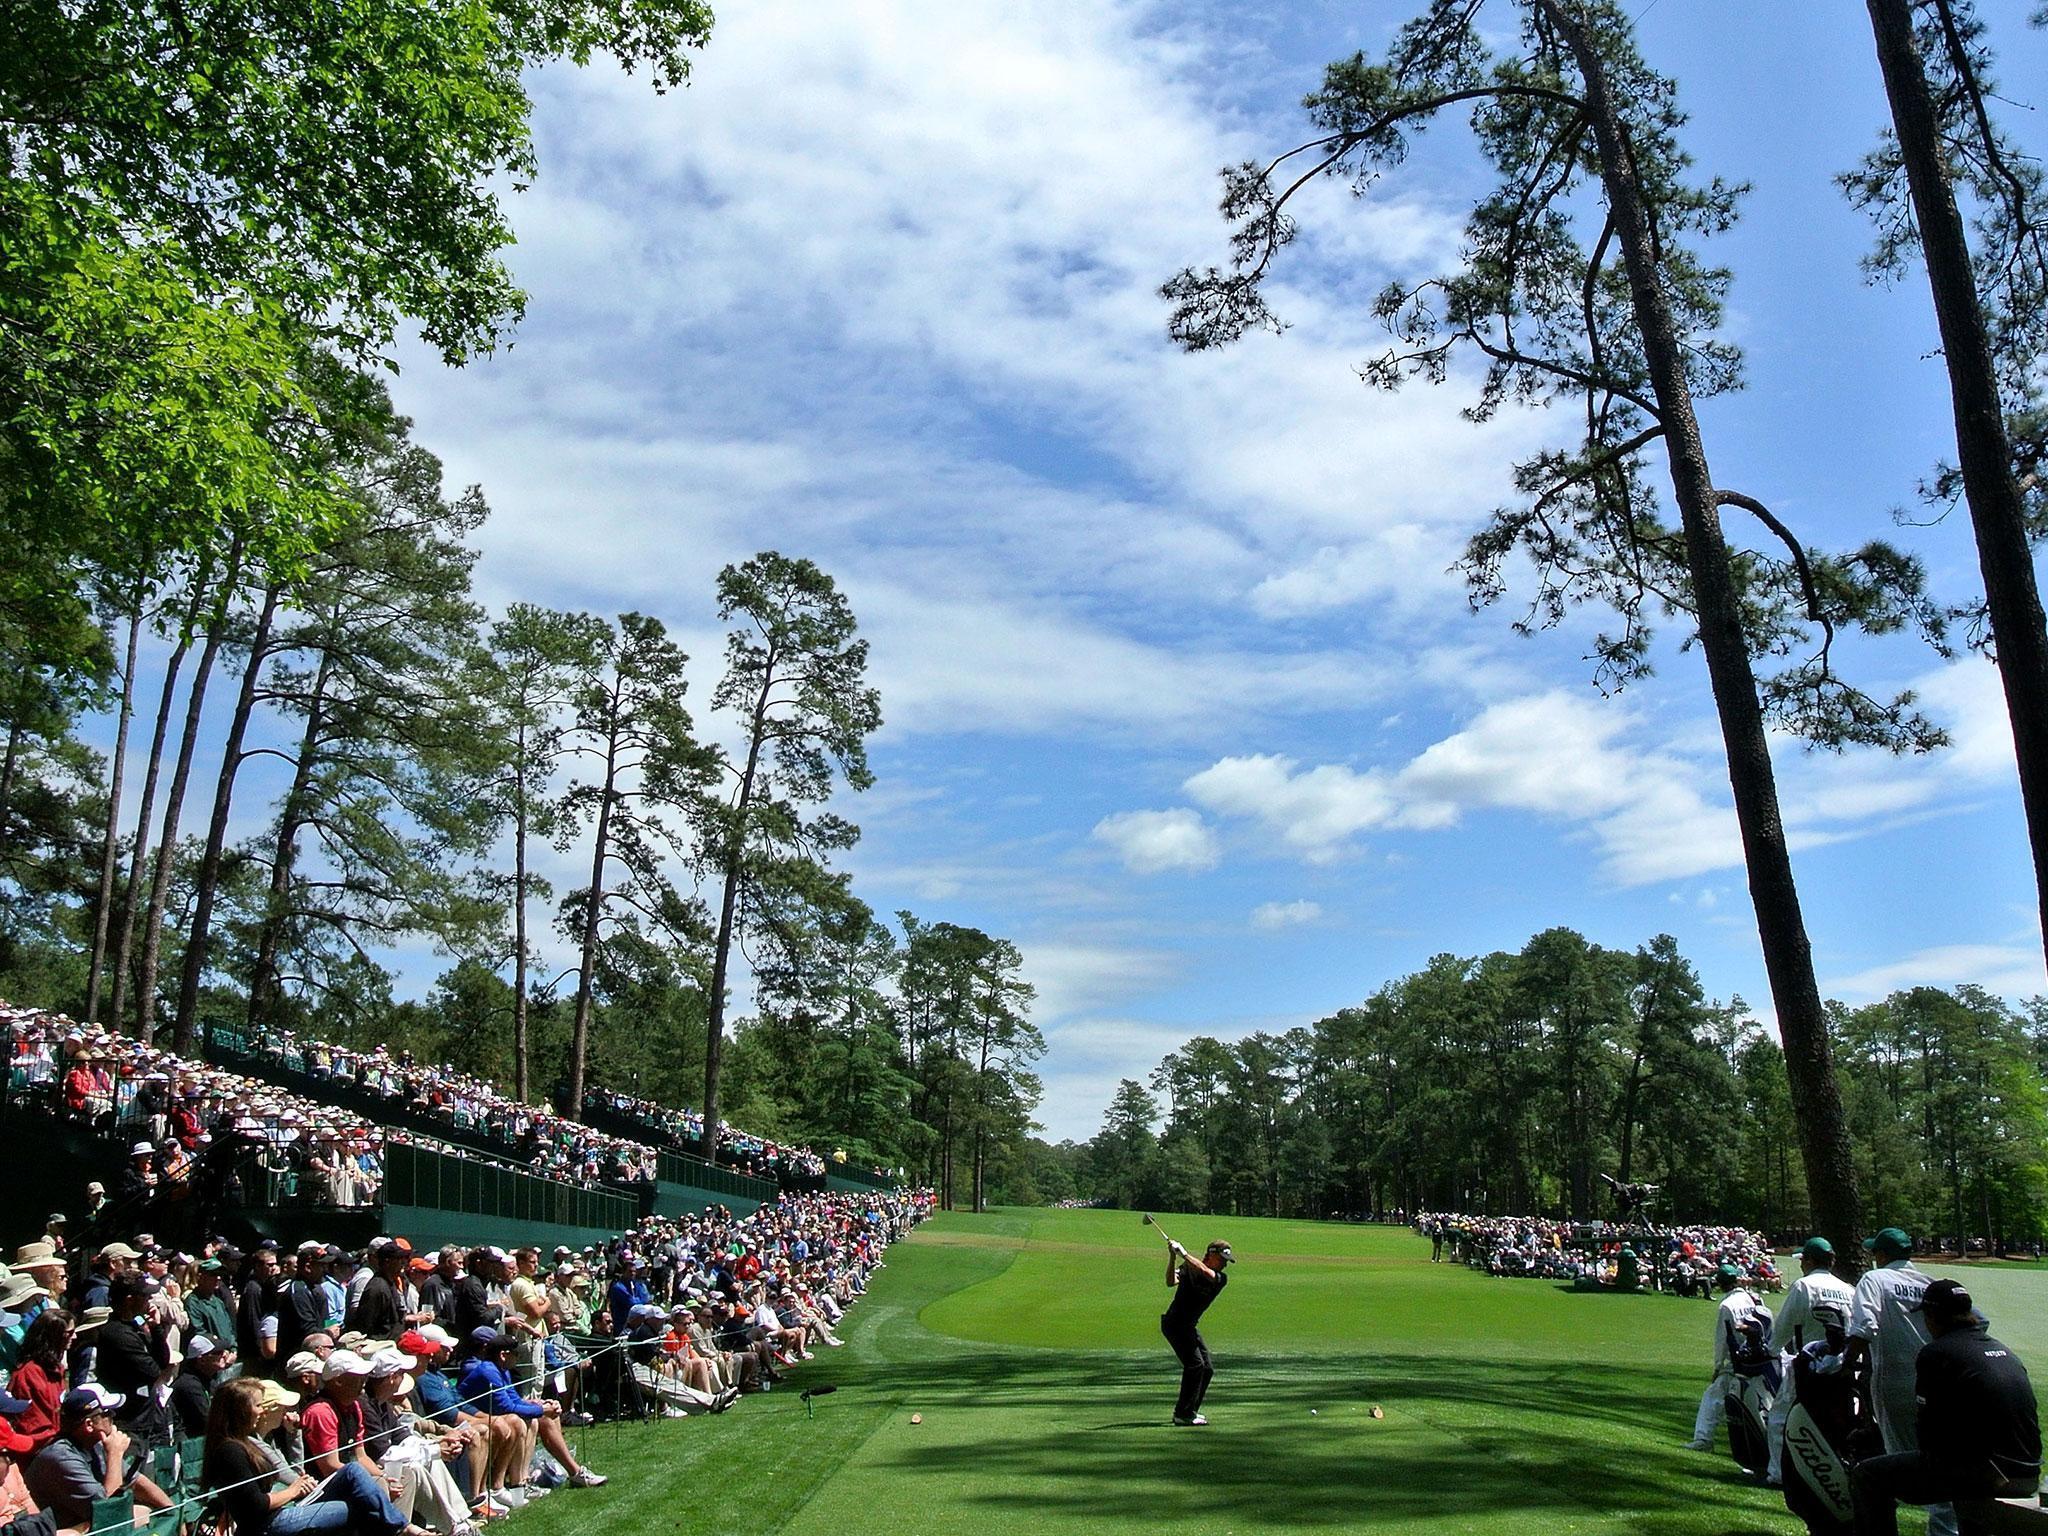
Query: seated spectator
43, 1376
487, 1380
208, 1309
15, 1499
89, 1459
482, 1439
131, 1362
241, 1470
192, 1391
416, 1463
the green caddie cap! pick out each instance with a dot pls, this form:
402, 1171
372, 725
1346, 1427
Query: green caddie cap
1729, 1272
1890, 1240
1816, 1248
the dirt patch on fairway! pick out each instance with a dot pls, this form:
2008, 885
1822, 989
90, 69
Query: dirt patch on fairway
1014, 1243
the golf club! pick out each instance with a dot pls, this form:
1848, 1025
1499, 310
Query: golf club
1162, 1231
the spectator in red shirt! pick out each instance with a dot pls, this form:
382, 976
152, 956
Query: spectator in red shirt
41, 1378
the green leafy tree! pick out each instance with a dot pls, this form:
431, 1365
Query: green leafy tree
1578, 286
191, 193
629, 725
795, 685
524, 677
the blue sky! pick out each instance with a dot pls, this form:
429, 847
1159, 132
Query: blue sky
1180, 696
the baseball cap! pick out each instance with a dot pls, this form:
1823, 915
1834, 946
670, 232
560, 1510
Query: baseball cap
1890, 1240
344, 1362
119, 1250
391, 1362
199, 1346
305, 1360
13, 1440
1946, 1298
1816, 1248
1728, 1272
275, 1396
437, 1336
90, 1398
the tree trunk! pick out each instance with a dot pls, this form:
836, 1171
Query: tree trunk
124, 941
7, 769
2012, 593
174, 806
110, 851
519, 877
1781, 926
291, 815
593, 912
217, 829
728, 907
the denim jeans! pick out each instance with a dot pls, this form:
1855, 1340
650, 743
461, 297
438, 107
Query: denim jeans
353, 1500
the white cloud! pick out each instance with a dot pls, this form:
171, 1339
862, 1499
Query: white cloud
1156, 842
1270, 916
2011, 970
1315, 811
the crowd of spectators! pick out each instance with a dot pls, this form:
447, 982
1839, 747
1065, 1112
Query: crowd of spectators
1679, 1259
536, 1138
394, 1391
683, 1129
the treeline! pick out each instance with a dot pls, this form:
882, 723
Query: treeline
420, 755
1509, 1083
231, 567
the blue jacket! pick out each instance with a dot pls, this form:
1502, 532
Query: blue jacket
488, 1388
624, 1296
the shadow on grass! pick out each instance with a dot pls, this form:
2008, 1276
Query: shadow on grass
1499, 1443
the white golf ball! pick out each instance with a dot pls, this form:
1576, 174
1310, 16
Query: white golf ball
1312, 1413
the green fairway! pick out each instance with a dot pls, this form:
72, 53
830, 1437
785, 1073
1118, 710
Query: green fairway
1028, 1340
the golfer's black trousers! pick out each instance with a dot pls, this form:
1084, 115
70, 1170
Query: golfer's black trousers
1195, 1366
1880, 1483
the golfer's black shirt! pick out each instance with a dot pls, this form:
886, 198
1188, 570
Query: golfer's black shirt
1192, 1296
1977, 1405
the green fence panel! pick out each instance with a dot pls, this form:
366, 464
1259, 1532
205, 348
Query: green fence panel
681, 1201
695, 1173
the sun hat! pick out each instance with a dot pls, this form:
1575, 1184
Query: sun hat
93, 1317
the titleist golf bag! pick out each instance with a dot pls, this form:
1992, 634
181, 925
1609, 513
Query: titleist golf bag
1756, 1384
1817, 1431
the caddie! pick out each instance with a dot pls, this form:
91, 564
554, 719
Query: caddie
1738, 1302
1818, 1287
1887, 1331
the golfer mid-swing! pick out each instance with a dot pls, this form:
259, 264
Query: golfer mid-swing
1195, 1283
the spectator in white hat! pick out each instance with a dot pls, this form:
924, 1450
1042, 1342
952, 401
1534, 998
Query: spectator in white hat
192, 1390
